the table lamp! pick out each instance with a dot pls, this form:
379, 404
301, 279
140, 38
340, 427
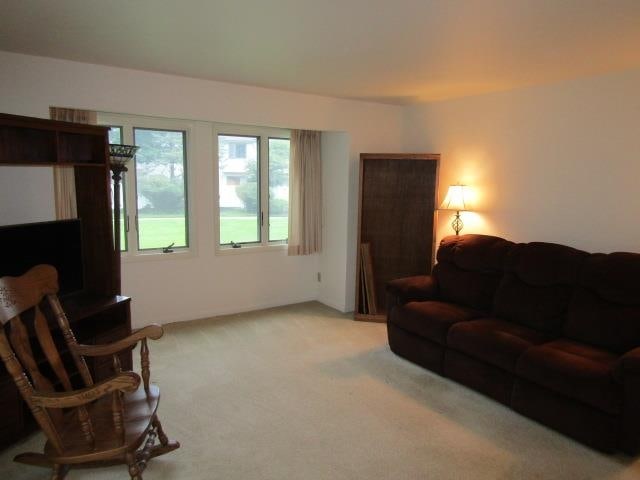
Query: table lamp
457, 199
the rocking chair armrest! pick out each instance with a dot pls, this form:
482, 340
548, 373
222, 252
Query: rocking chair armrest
123, 382
152, 331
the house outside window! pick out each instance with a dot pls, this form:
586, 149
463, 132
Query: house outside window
237, 148
233, 180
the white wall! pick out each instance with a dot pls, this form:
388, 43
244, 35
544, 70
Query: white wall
20, 183
170, 290
557, 163
554, 163
335, 184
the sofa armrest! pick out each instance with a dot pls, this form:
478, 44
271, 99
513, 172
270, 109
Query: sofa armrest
628, 366
408, 289
626, 371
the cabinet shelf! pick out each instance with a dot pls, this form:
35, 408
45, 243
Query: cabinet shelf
80, 149
31, 146
35, 141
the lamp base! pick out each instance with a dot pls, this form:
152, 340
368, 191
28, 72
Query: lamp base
457, 223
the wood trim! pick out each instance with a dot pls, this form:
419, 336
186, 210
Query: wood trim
363, 317
359, 238
400, 156
434, 248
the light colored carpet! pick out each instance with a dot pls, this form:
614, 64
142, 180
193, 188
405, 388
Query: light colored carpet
305, 393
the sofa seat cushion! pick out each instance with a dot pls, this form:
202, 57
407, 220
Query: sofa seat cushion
497, 342
575, 370
431, 319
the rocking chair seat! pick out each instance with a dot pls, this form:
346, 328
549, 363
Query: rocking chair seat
139, 410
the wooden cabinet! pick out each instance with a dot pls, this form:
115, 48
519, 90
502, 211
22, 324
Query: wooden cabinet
395, 224
98, 314
30, 141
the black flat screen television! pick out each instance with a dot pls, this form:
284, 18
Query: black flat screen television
57, 243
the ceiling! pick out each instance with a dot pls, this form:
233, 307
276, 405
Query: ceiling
392, 51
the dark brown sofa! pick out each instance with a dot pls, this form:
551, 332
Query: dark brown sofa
551, 331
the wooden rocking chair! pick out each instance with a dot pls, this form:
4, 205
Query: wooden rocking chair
106, 423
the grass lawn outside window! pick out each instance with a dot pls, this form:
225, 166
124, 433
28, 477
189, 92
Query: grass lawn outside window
167, 229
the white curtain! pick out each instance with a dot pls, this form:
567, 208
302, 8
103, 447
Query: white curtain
305, 193
64, 182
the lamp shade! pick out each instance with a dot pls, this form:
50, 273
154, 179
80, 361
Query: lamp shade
457, 198
119, 155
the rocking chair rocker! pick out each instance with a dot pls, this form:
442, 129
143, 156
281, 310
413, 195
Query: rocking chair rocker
106, 423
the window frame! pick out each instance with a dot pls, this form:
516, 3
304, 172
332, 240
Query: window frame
128, 123
263, 134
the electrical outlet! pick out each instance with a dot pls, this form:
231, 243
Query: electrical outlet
319, 277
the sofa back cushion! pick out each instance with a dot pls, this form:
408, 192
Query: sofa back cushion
537, 286
605, 309
469, 269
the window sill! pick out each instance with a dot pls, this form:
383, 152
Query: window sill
156, 255
251, 249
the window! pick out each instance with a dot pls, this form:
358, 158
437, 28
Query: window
239, 213
115, 134
253, 187
154, 194
161, 189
